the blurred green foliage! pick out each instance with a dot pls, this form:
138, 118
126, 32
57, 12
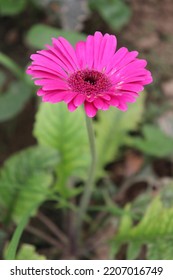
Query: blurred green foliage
154, 230
112, 130
116, 13
28, 252
154, 142
24, 181
41, 34
12, 7
13, 101
67, 134
18, 92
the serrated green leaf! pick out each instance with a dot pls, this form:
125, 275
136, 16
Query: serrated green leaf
7, 7
155, 230
24, 181
65, 131
13, 101
111, 131
160, 250
41, 34
154, 142
28, 252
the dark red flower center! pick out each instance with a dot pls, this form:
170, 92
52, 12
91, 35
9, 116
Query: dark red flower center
89, 82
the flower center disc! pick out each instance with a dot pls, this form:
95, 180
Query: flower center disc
89, 82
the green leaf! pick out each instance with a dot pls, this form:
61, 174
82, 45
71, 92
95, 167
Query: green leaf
133, 250
12, 66
8, 7
126, 221
13, 101
167, 195
2, 78
111, 131
113, 209
115, 12
155, 230
154, 142
58, 128
28, 252
41, 34
160, 250
24, 180
12, 247
2, 238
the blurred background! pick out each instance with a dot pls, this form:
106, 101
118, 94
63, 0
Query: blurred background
143, 167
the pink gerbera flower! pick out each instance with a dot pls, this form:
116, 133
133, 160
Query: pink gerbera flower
93, 73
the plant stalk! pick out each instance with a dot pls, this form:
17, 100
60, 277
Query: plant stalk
89, 186
52, 227
49, 239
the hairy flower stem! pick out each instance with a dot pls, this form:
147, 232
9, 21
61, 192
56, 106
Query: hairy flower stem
89, 186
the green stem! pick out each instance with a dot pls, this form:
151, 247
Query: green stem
89, 186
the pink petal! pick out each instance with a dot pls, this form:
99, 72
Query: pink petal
47, 70
61, 61
129, 93
40, 60
148, 80
128, 58
106, 51
128, 98
69, 96
29, 70
90, 109
80, 54
54, 97
71, 107
89, 52
118, 56
131, 86
66, 53
134, 79
51, 84
114, 101
53, 56
106, 97
99, 103
98, 37
79, 99
69, 51
40, 92
105, 106
133, 67
43, 74
122, 106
